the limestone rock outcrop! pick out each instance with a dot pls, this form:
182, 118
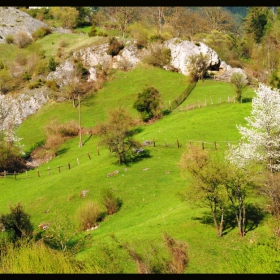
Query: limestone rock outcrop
96, 56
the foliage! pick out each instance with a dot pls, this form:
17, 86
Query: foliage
158, 56
5, 81
110, 201
17, 223
93, 31
68, 16
41, 32
260, 139
22, 39
197, 65
114, 46
32, 257
9, 39
117, 134
239, 82
155, 263
57, 133
10, 159
209, 176
62, 235
52, 64
256, 22
89, 214
149, 104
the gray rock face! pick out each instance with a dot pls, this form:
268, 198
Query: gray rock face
181, 50
96, 56
13, 20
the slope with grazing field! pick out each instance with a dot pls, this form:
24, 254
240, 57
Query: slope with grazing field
148, 188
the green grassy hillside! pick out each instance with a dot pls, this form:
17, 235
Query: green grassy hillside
149, 188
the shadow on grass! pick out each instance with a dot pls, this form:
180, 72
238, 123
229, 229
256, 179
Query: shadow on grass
62, 151
135, 157
87, 139
247, 99
254, 215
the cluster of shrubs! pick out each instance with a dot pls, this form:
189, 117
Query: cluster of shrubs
93, 32
114, 46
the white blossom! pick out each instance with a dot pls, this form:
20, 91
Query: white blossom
260, 139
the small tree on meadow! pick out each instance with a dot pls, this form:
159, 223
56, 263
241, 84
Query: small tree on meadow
149, 104
207, 183
239, 82
117, 134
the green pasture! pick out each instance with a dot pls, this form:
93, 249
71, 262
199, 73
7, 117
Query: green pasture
150, 187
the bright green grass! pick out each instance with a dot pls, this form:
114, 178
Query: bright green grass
121, 91
73, 41
148, 188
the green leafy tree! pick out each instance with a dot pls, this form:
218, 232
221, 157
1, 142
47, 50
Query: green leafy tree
239, 82
17, 223
256, 22
207, 184
117, 134
149, 104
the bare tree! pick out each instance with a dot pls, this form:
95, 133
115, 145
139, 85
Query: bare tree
122, 16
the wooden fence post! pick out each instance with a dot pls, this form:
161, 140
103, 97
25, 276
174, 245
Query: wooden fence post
202, 145
15, 174
98, 151
165, 142
215, 145
178, 144
58, 169
38, 172
68, 165
5, 173
154, 141
88, 155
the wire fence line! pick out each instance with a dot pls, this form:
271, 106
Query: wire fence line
215, 145
207, 102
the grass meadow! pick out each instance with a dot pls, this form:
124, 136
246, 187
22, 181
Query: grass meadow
149, 188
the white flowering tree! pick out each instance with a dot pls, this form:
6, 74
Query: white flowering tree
260, 139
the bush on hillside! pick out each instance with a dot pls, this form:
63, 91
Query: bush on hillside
110, 201
158, 56
17, 223
41, 32
22, 39
5, 81
52, 64
114, 46
9, 39
89, 215
149, 104
93, 31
